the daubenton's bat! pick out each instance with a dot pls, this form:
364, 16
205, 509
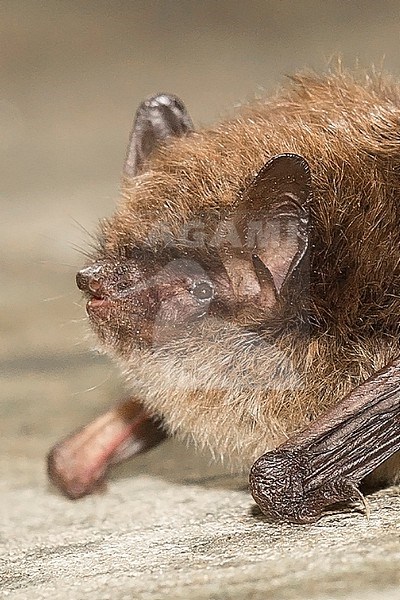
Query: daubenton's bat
249, 286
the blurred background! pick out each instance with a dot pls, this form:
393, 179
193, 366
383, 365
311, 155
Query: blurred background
72, 74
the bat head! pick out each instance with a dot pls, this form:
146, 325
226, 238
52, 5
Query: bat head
148, 290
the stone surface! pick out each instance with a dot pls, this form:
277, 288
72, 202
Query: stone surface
171, 525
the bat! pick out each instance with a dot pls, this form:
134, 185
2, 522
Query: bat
248, 285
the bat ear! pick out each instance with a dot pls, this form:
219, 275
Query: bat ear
272, 217
157, 118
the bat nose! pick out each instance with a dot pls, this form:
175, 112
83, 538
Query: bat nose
90, 280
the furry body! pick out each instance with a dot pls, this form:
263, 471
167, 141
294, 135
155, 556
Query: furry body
242, 384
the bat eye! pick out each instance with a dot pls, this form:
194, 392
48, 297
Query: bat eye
203, 291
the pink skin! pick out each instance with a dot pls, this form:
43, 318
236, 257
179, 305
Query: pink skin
78, 464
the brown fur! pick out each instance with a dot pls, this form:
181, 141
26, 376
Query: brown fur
242, 390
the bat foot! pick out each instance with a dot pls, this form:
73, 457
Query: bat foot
325, 463
363, 501
284, 487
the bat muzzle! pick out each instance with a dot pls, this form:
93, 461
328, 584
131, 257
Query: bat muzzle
90, 280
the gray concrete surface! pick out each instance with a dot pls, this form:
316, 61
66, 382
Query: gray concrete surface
171, 524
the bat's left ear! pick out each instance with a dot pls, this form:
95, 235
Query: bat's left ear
272, 217
157, 118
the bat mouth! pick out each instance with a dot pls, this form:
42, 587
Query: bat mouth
98, 305
98, 302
